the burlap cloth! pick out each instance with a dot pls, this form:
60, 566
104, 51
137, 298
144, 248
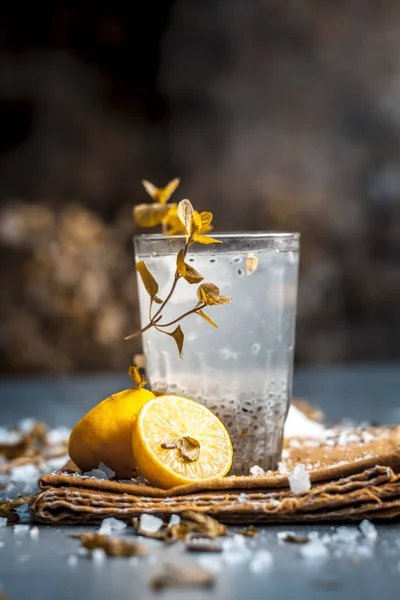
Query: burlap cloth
355, 474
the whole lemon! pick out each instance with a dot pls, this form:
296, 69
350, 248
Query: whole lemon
104, 434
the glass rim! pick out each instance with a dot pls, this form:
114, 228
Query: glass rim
225, 235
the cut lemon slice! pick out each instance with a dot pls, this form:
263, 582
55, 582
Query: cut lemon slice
177, 441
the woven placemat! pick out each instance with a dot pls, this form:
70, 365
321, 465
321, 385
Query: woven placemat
354, 475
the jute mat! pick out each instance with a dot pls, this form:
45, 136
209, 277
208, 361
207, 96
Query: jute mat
355, 474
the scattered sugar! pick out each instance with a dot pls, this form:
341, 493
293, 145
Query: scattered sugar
98, 555
25, 474
109, 472
213, 563
21, 529
346, 534
9, 438
26, 425
3, 521
282, 468
96, 473
314, 550
256, 471
243, 498
111, 524
298, 425
299, 479
369, 530
261, 561
58, 436
72, 560
56, 463
174, 520
235, 550
34, 533
150, 523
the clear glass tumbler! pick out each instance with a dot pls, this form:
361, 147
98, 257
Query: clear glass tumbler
242, 371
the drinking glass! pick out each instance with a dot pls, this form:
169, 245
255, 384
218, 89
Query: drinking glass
242, 370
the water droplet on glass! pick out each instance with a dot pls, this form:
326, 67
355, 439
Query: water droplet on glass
256, 348
236, 259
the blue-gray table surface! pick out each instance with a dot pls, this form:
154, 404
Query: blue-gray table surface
38, 567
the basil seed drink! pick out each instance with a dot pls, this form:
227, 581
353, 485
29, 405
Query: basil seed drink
241, 370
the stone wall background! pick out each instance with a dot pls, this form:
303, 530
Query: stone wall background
276, 115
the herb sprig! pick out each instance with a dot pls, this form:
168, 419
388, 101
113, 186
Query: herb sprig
176, 219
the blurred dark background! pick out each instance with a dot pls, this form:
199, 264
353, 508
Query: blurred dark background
276, 115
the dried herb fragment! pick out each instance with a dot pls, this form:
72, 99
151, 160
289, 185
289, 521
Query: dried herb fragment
202, 545
182, 575
112, 546
250, 531
195, 226
192, 525
8, 509
189, 447
136, 376
295, 539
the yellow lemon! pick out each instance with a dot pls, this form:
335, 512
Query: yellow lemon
177, 441
104, 434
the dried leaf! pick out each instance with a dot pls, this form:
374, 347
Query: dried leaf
150, 188
295, 539
203, 525
150, 215
205, 239
112, 546
251, 264
185, 214
139, 360
149, 282
196, 223
191, 275
206, 318
208, 293
161, 195
250, 531
136, 376
178, 336
182, 575
189, 447
203, 545
180, 263
206, 218
171, 224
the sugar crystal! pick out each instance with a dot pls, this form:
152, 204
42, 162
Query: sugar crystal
261, 561
256, 471
72, 560
21, 529
109, 472
111, 524
174, 520
369, 530
150, 523
299, 479
96, 473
